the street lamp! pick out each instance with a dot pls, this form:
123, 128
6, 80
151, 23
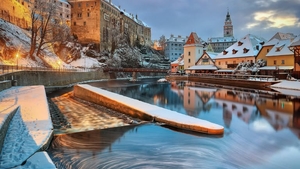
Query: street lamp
17, 56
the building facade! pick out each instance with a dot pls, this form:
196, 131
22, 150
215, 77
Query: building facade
16, 12
99, 21
193, 50
221, 43
174, 47
245, 50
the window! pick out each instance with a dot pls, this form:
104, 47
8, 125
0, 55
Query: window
219, 63
88, 14
189, 60
74, 23
189, 54
275, 62
79, 4
84, 23
268, 50
79, 15
282, 62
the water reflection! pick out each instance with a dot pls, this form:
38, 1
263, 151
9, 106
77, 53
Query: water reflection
261, 131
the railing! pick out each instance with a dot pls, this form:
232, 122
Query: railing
135, 70
13, 68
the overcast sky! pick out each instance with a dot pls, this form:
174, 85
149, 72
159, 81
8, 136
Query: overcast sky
262, 18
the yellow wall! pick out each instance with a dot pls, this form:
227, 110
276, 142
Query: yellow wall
15, 12
288, 60
263, 52
221, 63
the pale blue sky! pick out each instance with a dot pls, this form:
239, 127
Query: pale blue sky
181, 17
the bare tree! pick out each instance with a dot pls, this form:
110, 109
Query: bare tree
47, 27
162, 41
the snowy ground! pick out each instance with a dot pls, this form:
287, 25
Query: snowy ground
286, 87
29, 129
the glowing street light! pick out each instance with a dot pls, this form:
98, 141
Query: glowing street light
17, 56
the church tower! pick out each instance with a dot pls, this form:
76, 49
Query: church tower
228, 27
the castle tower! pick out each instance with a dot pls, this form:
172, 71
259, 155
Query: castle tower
228, 27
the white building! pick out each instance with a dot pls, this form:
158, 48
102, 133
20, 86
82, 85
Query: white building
174, 47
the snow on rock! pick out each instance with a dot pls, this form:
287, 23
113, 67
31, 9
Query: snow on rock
30, 128
162, 80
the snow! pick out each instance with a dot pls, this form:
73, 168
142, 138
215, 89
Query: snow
249, 42
157, 112
30, 128
290, 88
284, 50
38, 160
203, 67
162, 80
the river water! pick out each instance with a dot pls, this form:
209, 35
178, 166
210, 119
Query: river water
260, 131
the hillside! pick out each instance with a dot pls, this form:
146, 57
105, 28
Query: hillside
15, 41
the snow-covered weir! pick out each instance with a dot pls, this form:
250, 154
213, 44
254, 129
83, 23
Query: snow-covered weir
145, 111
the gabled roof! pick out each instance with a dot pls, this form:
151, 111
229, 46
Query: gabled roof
280, 48
193, 39
296, 41
245, 47
283, 36
210, 55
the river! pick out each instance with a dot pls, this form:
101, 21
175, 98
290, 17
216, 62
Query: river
260, 131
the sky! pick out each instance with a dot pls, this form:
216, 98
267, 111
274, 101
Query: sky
262, 18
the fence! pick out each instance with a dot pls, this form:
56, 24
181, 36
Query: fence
14, 68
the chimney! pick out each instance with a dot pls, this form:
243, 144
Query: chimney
136, 16
110, 1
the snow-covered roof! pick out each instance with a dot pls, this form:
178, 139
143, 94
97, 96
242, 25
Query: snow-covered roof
245, 47
280, 48
296, 41
274, 68
203, 67
140, 22
271, 42
212, 55
221, 39
283, 36
176, 39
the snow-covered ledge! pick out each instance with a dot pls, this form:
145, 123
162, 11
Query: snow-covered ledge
145, 111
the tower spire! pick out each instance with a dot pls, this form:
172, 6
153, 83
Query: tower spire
228, 27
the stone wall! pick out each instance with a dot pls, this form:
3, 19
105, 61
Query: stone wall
15, 12
48, 78
5, 84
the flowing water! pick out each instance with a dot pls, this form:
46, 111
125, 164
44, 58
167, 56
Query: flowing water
260, 131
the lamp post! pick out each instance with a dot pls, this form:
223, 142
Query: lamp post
17, 56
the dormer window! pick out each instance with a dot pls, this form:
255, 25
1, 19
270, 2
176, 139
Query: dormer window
225, 52
245, 50
234, 51
278, 49
240, 43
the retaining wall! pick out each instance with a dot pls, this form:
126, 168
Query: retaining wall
48, 78
5, 84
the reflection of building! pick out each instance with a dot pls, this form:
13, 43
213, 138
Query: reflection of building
195, 99
238, 103
279, 113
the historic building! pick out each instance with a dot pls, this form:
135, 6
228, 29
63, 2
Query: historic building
221, 43
100, 21
174, 47
245, 50
280, 60
16, 12
205, 64
177, 66
193, 50
295, 48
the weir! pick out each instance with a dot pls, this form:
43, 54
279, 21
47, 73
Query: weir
145, 111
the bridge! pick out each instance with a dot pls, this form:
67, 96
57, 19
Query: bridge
111, 69
134, 71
